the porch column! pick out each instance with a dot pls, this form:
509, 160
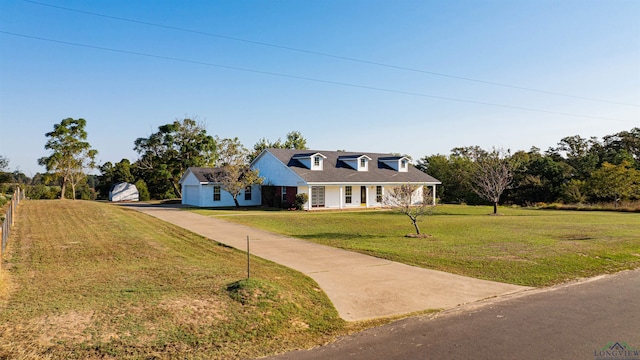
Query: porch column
340, 192
310, 199
366, 197
434, 195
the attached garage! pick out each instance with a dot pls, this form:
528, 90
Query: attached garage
191, 195
199, 188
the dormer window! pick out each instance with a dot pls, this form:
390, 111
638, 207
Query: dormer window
397, 163
359, 162
312, 161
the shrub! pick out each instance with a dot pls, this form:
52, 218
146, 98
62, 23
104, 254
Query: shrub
301, 199
143, 190
38, 192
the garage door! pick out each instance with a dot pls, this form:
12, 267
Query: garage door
191, 195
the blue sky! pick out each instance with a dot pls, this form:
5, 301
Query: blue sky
586, 49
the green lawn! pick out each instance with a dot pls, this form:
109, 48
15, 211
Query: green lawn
523, 246
92, 280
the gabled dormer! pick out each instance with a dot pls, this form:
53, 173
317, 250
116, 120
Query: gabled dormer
356, 162
398, 163
314, 162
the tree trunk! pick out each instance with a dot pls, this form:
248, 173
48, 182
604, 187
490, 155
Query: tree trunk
176, 189
235, 200
495, 207
415, 224
73, 191
64, 188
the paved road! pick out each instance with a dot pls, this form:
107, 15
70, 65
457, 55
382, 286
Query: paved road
574, 321
360, 286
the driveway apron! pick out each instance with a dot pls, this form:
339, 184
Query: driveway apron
360, 286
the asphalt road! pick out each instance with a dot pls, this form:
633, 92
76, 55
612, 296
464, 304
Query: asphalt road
581, 320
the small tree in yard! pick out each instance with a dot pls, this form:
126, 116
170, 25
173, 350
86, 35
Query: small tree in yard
491, 175
235, 178
406, 199
235, 174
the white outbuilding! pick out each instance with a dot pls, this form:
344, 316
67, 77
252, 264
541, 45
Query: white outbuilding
123, 192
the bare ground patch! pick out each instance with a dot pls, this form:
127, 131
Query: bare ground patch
190, 311
70, 326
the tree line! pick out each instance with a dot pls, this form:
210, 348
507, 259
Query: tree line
163, 157
577, 170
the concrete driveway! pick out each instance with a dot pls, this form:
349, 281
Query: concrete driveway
360, 286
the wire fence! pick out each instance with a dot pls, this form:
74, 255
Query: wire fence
9, 219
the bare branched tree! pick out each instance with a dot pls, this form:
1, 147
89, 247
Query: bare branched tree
491, 175
235, 174
411, 200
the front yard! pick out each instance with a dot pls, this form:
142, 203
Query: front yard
524, 246
88, 280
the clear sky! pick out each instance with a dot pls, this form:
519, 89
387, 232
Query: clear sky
126, 78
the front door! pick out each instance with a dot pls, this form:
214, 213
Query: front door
363, 195
317, 196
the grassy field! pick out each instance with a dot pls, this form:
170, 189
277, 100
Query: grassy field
523, 246
92, 280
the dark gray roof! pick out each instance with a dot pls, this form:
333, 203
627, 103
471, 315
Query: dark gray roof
205, 175
335, 170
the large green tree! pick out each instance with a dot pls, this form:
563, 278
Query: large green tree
454, 172
166, 154
622, 146
235, 175
112, 174
615, 182
4, 166
294, 140
537, 177
71, 155
4, 163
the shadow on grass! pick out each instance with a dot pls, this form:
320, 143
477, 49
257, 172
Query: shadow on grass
340, 236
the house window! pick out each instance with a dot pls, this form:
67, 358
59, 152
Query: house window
284, 194
379, 194
403, 164
247, 193
347, 194
363, 162
216, 193
316, 161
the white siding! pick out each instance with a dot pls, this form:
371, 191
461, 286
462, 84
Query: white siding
196, 194
226, 199
335, 198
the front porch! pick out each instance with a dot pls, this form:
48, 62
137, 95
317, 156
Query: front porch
330, 196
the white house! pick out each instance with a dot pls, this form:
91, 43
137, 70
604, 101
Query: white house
336, 179
199, 188
123, 192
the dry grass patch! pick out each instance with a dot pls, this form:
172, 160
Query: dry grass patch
93, 280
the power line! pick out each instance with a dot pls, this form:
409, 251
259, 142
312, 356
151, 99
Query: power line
311, 52
304, 78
